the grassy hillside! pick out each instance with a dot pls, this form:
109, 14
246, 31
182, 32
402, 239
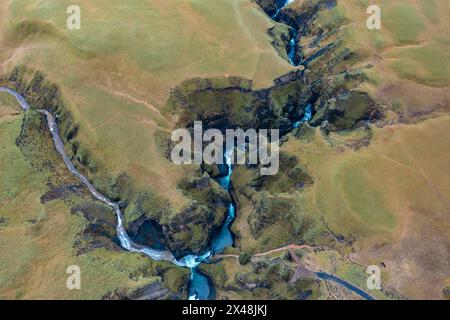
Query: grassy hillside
117, 74
370, 190
380, 192
392, 196
410, 54
119, 68
386, 204
41, 234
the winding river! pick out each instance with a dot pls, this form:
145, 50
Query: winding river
125, 240
200, 286
294, 35
286, 3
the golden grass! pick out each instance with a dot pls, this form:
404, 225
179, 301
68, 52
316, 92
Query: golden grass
116, 74
409, 55
121, 65
394, 196
37, 240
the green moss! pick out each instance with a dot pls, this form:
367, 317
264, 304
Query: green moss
304, 133
365, 202
176, 280
29, 28
164, 143
207, 192
285, 98
146, 203
348, 111
290, 177
227, 103
270, 210
216, 272
244, 258
28, 170
333, 18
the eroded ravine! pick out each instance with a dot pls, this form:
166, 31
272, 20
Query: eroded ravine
125, 241
200, 286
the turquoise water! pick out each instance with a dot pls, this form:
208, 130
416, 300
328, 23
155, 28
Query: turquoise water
286, 3
200, 287
224, 238
306, 117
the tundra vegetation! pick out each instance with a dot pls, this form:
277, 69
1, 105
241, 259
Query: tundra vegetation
365, 182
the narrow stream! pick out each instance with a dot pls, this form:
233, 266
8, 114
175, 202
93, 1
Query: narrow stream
306, 117
200, 286
125, 240
294, 36
286, 3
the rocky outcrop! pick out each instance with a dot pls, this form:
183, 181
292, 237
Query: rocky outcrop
191, 230
271, 7
232, 103
149, 218
337, 105
60, 192
3, 222
325, 82
225, 103
290, 177
153, 291
446, 293
170, 284
271, 279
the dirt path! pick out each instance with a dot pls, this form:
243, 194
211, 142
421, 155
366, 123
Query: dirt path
265, 253
137, 100
288, 247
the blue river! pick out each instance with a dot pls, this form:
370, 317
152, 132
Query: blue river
200, 286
